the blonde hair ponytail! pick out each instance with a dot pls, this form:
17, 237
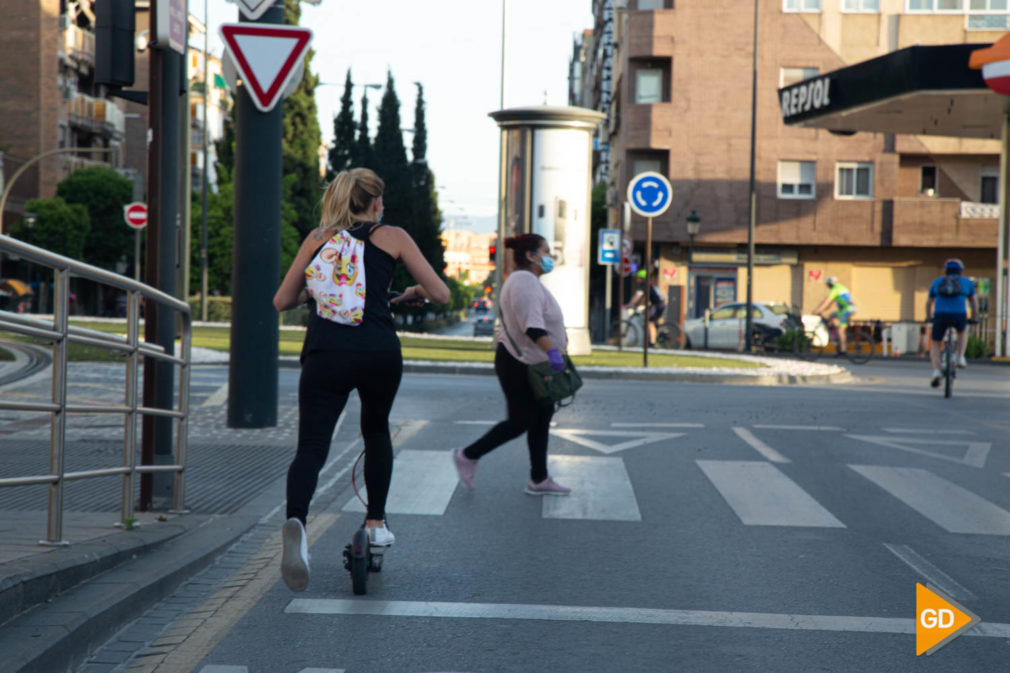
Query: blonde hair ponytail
348, 196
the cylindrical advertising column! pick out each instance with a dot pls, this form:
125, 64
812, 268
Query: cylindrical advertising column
547, 169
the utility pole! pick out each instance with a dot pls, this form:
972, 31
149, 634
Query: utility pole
752, 202
162, 256
252, 369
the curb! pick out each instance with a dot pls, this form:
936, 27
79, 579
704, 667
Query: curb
58, 634
666, 375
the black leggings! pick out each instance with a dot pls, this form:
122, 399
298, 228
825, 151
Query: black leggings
327, 379
524, 415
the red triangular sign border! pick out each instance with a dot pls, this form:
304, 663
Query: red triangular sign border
265, 97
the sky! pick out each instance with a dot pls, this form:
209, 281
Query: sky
453, 48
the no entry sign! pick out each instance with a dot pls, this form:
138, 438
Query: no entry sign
135, 215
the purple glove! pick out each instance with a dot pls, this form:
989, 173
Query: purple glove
556, 361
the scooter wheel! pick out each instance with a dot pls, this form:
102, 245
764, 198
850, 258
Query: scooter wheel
360, 560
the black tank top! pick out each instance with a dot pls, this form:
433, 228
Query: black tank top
377, 331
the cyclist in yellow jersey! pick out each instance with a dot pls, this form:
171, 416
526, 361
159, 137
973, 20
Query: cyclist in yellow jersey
840, 295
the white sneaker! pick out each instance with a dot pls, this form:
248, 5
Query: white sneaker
961, 362
380, 537
295, 557
935, 379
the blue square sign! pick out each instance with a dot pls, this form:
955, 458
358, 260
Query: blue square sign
609, 247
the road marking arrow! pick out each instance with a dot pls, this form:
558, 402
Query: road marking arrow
975, 453
642, 438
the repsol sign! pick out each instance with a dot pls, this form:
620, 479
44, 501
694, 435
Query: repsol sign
812, 95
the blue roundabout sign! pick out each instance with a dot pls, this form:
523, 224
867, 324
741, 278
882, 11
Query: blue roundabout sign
649, 194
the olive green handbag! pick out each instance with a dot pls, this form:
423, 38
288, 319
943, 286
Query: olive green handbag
547, 384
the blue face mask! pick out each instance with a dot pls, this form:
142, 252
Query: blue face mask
546, 263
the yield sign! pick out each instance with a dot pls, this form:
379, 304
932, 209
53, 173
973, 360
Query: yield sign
638, 438
266, 57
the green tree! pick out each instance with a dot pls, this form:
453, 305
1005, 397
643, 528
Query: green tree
224, 149
341, 152
60, 227
390, 162
302, 138
427, 216
103, 192
362, 155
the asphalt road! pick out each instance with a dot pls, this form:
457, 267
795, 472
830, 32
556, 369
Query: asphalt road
712, 529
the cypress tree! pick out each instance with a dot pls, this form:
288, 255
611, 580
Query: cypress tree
391, 164
361, 155
302, 138
342, 151
427, 214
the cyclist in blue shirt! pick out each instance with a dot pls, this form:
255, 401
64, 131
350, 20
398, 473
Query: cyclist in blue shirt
946, 308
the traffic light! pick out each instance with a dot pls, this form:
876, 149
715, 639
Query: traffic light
490, 253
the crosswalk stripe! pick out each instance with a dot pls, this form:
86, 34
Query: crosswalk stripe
817, 428
601, 490
219, 668
759, 446
761, 495
953, 508
423, 483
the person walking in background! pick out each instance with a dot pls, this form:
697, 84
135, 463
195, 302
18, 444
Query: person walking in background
346, 267
948, 295
532, 331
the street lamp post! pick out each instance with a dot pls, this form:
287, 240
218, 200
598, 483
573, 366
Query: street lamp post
693, 226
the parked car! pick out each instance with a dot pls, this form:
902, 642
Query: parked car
726, 325
484, 325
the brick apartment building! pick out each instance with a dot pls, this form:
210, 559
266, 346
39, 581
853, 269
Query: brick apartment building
879, 211
48, 98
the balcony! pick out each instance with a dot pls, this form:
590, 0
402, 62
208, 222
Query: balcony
938, 222
79, 46
97, 115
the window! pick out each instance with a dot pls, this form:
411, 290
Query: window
927, 180
988, 15
860, 5
654, 4
801, 5
935, 5
854, 181
649, 85
797, 179
789, 76
724, 313
645, 165
989, 188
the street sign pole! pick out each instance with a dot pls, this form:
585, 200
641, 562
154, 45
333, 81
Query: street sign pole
162, 250
647, 293
649, 195
252, 367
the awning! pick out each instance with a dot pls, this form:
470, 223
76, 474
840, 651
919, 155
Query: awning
14, 286
923, 90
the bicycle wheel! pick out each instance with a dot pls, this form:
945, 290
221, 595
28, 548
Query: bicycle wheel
949, 365
668, 336
860, 348
623, 333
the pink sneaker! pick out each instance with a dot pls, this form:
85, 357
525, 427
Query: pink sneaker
465, 466
547, 487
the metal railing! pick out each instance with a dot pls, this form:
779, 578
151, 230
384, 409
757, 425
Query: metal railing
61, 333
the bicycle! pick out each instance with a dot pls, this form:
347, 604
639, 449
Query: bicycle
949, 357
813, 343
627, 331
